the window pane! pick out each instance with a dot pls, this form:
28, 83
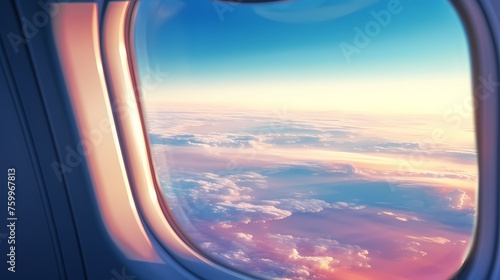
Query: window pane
314, 139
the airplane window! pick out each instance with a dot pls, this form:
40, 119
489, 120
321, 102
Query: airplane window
314, 139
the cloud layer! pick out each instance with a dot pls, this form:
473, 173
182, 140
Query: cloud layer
313, 199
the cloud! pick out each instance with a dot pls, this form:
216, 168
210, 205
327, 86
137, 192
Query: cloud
313, 262
413, 250
214, 140
399, 217
219, 130
319, 255
386, 146
232, 199
262, 215
237, 198
410, 202
347, 205
244, 236
253, 212
303, 205
239, 256
458, 199
289, 257
436, 240
308, 170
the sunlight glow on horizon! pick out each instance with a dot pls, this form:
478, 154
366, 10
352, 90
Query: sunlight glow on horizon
410, 96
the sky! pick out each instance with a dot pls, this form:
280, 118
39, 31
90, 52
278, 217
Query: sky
208, 47
284, 155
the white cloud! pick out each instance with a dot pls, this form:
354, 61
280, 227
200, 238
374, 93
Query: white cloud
458, 199
346, 205
219, 207
325, 254
255, 212
238, 256
244, 236
231, 200
287, 256
436, 240
303, 205
399, 216
413, 250
314, 262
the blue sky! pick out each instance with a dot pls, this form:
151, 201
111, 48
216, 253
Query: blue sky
263, 56
190, 41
